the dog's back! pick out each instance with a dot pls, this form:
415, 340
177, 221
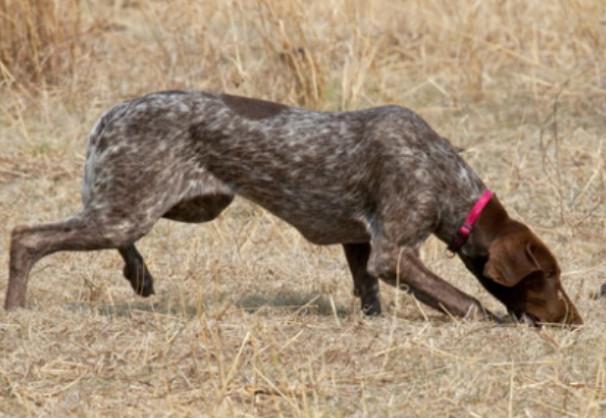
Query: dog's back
323, 172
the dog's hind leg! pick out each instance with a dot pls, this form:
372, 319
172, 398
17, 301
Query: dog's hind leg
136, 271
366, 286
197, 209
87, 231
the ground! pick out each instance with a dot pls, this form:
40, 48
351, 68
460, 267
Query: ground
248, 318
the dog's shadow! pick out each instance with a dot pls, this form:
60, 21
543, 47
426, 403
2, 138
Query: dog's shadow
130, 309
259, 303
293, 302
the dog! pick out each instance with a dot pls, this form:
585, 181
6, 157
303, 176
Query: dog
377, 181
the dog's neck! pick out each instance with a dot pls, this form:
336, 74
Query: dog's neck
489, 225
463, 190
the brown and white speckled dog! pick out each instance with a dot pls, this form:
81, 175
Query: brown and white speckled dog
377, 181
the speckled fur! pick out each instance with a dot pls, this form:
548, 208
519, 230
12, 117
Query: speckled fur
378, 181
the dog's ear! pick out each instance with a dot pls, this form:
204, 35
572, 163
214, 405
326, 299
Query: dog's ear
510, 259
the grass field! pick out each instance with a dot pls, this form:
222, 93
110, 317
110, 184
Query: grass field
249, 319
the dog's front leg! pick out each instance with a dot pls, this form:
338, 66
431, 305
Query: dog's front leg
402, 267
366, 287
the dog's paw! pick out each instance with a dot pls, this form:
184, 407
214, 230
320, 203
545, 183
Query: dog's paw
140, 279
477, 312
371, 307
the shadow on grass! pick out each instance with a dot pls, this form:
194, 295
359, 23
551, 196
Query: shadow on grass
127, 309
301, 303
260, 303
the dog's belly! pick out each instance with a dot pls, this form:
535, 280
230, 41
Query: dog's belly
199, 209
328, 232
323, 215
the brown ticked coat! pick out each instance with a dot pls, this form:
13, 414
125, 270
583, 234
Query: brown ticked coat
377, 181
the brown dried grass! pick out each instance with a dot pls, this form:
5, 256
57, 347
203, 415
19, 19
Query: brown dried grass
41, 41
249, 319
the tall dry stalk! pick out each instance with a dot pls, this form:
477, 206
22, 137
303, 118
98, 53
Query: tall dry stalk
283, 30
39, 40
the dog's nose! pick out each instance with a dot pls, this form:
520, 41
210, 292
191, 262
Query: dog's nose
573, 318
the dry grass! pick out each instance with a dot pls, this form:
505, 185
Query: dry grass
250, 320
41, 41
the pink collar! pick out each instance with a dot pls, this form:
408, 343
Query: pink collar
465, 230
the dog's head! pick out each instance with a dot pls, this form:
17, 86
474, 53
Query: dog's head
523, 274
